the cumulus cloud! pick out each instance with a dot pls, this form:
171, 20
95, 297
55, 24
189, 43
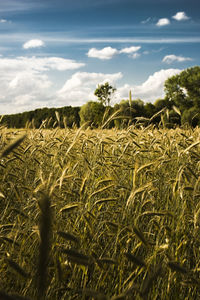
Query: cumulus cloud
26, 83
108, 52
180, 16
151, 89
33, 44
163, 22
103, 54
60, 64
80, 87
130, 49
174, 58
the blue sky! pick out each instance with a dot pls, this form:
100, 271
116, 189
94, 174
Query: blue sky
55, 52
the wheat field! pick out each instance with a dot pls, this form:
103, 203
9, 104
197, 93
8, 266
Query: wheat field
100, 214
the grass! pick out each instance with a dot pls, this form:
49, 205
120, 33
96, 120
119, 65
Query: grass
100, 214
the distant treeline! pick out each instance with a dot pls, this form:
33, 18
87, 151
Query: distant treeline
69, 116
96, 114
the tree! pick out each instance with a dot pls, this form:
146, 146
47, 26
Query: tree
104, 93
149, 110
162, 103
191, 117
92, 112
130, 109
184, 89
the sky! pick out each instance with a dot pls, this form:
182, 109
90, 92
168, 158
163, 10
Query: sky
54, 53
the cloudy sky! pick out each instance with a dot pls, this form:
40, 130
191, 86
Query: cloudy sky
54, 53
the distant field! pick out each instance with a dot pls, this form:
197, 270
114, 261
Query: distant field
100, 214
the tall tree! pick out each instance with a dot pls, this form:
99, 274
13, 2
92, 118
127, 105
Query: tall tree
184, 89
104, 93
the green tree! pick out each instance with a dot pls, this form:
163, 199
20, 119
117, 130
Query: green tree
130, 109
92, 112
162, 103
191, 117
184, 89
104, 93
149, 110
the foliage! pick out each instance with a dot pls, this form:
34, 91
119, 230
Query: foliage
183, 89
149, 110
191, 117
92, 112
130, 109
99, 214
104, 93
162, 103
69, 116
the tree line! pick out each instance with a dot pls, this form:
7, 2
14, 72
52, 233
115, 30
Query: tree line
181, 105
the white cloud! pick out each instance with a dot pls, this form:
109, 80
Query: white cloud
80, 87
104, 54
27, 81
38, 64
26, 84
180, 16
33, 44
108, 52
151, 89
61, 64
174, 58
130, 49
163, 22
